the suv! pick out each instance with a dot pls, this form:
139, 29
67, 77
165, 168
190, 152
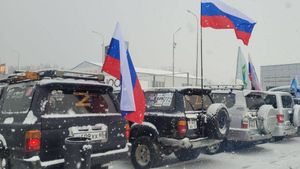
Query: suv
39, 110
288, 114
179, 120
252, 121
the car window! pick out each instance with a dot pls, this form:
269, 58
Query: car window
271, 100
79, 102
254, 102
226, 98
193, 102
296, 101
287, 101
159, 100
17, 99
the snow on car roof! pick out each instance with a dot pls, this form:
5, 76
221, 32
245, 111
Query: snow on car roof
245, 92
175, 88
72, 81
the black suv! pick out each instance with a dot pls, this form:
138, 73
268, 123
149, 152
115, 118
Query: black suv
39, 110
179, 120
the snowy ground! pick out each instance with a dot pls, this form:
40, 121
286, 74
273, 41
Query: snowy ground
279, 155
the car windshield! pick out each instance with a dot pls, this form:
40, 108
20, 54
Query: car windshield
193, 102
17, 99
79, 102
254, 102
287, 102
159, 100
226, 98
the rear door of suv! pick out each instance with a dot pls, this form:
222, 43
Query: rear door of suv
195, 104
80, 110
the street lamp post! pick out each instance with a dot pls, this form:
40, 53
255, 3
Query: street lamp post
197, 45
18, 58
103, 47
174, 45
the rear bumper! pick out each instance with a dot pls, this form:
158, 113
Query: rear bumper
188, 143
245, 135
285, 131
96, 159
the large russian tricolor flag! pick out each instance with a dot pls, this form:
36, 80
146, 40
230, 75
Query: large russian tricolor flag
119, 64
218, 15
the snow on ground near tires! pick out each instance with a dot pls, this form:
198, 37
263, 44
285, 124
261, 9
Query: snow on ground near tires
279, 155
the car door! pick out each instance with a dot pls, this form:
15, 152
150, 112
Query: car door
80, 111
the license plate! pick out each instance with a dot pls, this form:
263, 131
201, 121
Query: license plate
252, 124
192, 124
96, 136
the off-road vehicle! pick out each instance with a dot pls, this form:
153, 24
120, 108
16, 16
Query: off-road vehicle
39, 110
252, 121
287, 113
179, 120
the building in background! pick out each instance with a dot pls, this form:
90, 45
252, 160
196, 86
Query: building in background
147, 77
278, 75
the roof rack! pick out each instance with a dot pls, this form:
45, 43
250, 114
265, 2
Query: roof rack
38, 75
225, 87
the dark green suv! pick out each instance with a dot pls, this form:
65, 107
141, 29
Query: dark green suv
39, 110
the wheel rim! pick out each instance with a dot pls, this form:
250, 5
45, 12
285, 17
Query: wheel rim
142, 155
223, 123
213, 148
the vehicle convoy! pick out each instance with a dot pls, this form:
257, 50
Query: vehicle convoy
252, 121
179, 120
39, 110
288, 114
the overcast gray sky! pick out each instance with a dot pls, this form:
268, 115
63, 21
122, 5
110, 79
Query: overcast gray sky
60, 32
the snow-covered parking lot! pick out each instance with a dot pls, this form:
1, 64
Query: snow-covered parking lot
279, 155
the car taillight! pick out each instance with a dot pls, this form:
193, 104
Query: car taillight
33, 140
127, 127
181, 127
245, 123
280, 118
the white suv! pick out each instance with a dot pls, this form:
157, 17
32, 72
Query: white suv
287, 114
252, 121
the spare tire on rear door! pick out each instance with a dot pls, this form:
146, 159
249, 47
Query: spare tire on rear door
296, 118
218, 121
268, 115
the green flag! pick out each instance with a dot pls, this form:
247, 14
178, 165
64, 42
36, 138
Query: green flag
242, 70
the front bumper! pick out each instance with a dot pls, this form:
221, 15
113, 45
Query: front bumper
285, 131
188, 143
245, 135
99, 158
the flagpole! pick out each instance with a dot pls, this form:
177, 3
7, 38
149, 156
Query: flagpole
237, 60
201, 57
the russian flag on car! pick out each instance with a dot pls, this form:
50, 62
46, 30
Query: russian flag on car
253, 77
218, 15
119, 64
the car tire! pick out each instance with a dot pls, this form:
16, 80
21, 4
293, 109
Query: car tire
268, 114
213, 149
145, 153
296, 116
187, 154
279, 138
218, 121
